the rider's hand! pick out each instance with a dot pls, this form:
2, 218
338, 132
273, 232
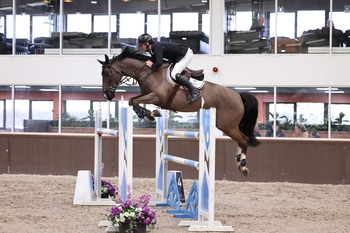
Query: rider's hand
149, 63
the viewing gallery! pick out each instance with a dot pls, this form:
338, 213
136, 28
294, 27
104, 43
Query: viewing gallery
291, 55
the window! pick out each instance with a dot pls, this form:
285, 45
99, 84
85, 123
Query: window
285, 25
101, 23
79, 23
131, 25
185, 21
22, 26
152, 25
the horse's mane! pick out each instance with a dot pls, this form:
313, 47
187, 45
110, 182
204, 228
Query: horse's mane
131, 52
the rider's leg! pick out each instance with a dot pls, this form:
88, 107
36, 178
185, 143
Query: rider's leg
195, 93
176, 73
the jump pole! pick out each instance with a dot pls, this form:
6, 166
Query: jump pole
125, 157
206, 169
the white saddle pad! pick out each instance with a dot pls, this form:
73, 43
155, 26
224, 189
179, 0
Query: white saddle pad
195, 83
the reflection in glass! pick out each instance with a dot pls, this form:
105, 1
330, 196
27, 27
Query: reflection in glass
5, 108
34, 108
302, 105
79, 105
340, 113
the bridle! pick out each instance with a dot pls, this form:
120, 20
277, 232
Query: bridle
124, 79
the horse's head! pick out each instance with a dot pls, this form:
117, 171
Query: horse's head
111, 78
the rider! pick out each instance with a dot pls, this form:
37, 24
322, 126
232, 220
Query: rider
180, 55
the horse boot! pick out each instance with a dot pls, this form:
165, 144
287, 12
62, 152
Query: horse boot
194, 92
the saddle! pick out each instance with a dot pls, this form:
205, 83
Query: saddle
195, 74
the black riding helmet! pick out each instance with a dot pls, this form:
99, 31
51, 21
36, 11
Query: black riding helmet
144, 38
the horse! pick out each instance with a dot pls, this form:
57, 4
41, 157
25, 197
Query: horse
236, 113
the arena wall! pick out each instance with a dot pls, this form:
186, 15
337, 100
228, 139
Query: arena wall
314, 161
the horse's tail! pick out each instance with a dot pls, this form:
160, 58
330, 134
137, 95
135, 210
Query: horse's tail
248, 121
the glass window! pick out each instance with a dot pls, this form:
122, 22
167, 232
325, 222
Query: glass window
304, 23
285, 24
242, 21
42, 110
341, 20
132, 25
22, 24
2, 24
309, 109
340, 112
79, 105
185, 21
152, 25
100, 25
206, 23
34, 108
79, 23
42, 26
5, 108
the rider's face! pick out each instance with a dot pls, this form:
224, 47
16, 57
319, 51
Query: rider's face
143, 47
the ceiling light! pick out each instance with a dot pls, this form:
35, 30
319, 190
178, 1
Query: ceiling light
204, 0
347, 8
327, 88
260, 91
48, 89
46, 1
152, 0
336, 92
245, 88
93, 2
90, 87
280, 9
22, 86
126, 0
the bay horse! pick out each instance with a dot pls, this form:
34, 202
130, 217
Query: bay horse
236, 113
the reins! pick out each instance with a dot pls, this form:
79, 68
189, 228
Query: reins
127, 78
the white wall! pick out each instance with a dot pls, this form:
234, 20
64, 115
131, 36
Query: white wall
234, 70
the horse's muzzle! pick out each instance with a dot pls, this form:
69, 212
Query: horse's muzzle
108, 95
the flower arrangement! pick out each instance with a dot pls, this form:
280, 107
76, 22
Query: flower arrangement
107, 189
133, 212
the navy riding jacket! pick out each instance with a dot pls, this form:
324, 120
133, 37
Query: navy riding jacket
171, 51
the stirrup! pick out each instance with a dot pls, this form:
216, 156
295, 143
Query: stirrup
191, 99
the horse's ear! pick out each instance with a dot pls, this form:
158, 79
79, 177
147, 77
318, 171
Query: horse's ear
106, 59
104, 62
101, 62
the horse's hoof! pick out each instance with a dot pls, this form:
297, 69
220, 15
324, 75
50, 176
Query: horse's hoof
156, 113
245, 171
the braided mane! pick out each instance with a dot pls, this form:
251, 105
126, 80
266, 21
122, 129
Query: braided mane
131, 52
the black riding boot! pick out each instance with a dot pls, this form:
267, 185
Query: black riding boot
194, 92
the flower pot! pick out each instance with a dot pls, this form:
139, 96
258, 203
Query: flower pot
139, 228
104, 195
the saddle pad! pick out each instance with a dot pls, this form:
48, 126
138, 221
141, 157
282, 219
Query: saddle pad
195, 83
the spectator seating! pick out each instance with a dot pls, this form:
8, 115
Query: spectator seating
22, 45
246, 42
285, 45
320, 38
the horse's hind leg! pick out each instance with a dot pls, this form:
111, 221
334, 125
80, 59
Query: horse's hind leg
243, 142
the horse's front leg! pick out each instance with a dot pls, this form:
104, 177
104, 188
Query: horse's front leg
142, 112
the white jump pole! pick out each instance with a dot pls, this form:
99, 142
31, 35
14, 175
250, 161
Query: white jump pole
125, 149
